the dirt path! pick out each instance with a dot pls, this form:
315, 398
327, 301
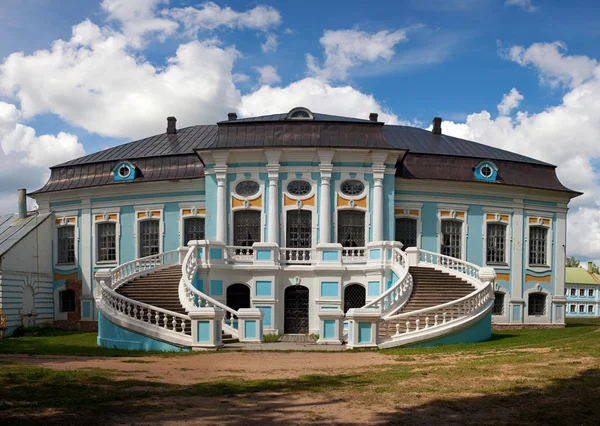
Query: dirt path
206, 367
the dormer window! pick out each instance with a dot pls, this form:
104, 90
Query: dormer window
124, 171
486, 170
300, 113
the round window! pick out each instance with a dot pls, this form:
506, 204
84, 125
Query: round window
299, 187
124, 171
247, 188
486, 171
352, 187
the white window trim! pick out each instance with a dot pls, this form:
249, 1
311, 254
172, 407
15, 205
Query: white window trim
534, 319
507, 244
64, 217
261, 192
504, 318
58, 315
313, 209
106, 219
195, 208
344, 176
465, 227
406, 207
161, 228
549, 240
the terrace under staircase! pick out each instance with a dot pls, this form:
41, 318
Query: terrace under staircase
433, 296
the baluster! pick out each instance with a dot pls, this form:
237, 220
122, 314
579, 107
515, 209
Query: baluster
397, 329
165, 321
427, 322
417, 322
407, 326
174, 324
157, 318
435, 320
444, 318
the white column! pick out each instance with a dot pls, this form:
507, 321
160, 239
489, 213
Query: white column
221, 173
273, 225
325, 205
85, 261
377, 204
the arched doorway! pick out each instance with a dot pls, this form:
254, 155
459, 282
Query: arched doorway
238, 296
296, 310
354, 297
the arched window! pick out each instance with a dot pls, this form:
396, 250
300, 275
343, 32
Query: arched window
351, 228
536, 305
66, 301
451, 243
246, 227
238, 296
193, 229
406, 232
354, 297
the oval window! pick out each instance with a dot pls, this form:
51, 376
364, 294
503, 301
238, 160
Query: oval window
486, 171
352, 187
124, 171
299, 187
247, 188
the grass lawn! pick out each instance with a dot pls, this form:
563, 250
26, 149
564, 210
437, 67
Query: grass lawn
519, 376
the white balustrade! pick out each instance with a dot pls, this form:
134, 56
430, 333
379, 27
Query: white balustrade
128, 271
354, 255
300, 256
240, 254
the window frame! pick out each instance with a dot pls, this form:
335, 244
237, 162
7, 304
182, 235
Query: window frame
535, 219
453, 213
590, 292
145, 213
60, 301
70, 218
306, 202
503, 312
337, 226
345, 202
409, 211
58, 245
498, 216
545, 304
98, 240
573, 292
100, 216
260, 227
187, 211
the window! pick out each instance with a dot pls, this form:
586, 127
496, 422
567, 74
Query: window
573, 291
537, 304
66, 301
193, 229
538, 239
247, 188
351, 228
149, 237
572, 308
246, 227
66, 244
498, 304
591, 292
581, 308
496, 243
590, 309
451, 238
299, 229
352, 187
582, 292
107, 242
486, 171
299, 187
124, 171
406, 232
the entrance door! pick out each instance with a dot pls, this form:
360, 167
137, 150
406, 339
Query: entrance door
354, 297
238, 296
296, 310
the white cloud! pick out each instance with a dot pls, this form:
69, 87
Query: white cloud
210, 16
267, 75
345, 49
565, 135
554, 67
270, 44
524, 4
316, 95
510, 101
98, 85
138, 18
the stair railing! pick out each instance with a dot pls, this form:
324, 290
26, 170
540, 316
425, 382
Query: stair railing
191, 298
156, 322
458, 266
127, 271
398, 294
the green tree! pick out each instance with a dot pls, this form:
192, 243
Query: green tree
572, 262
595, 269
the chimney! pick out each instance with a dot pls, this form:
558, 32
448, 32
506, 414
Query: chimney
171, 127
232, 116
437, 126
373, 116
22, 201
590, 267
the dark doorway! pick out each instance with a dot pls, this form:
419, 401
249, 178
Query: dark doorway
296, 310
354, 297
238, 296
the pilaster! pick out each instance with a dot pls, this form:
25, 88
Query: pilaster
325, 167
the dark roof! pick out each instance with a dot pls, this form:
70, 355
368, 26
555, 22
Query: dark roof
171, 156
427, 166
13, 229
97, 174
183, 142
318, 117
421, 141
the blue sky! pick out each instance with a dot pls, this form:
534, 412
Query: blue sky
95, 73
